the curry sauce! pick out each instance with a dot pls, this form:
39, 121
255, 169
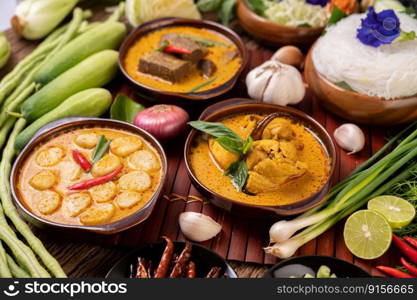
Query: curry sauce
218, 54
50, 170
302, 171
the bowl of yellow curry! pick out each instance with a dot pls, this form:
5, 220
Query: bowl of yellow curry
181, 59
259, 159
89, 174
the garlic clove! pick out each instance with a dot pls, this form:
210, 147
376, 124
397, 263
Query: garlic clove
289, 55
198, 227
350, 137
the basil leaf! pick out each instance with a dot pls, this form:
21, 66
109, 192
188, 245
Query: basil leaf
209, 5
204, 42
335, 16
247, 145
215, 129
344, 85
304, 25
230, 145
227, 11
258, 6
125, 109
239, 173
102, 146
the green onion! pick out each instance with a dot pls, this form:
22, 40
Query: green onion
368, 181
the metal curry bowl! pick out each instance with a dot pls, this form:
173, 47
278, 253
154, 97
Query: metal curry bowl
237, 106
64, 125
157, 95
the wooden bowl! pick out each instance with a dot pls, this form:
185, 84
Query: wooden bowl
358, 107
67, 124
237, 106
162, 96
273, 33
339, 267
203, 257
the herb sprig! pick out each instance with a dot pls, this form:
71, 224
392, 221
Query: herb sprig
102, 146
233, 143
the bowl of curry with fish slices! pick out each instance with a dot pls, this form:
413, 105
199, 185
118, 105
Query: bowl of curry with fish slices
95, 175
173, 59
259, 159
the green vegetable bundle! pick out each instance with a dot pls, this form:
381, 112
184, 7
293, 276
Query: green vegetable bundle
375, 177
64, 62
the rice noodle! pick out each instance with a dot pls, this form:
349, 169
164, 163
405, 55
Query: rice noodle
389, 71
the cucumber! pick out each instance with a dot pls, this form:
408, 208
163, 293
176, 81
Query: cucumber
88, 103
108, 35
95, 71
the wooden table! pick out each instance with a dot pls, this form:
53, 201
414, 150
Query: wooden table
88, 259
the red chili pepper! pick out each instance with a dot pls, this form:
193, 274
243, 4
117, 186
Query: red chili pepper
81, 160
411, 241
394, 272
405, 248
86, 184
176, 50
409, 267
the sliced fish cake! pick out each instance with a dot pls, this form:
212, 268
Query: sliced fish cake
106, 165
135, 181
86, 140
75, 204
123, 146
50, 156
48, 202
128, 199
98, 214
143, 160
44, 180
103, 192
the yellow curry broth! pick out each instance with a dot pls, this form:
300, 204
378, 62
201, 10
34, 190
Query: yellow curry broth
313, 155
67, 168
150, 42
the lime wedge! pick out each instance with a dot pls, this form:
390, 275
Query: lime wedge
367, 234
398, 212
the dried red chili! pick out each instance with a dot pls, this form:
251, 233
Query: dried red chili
163, 266
181, 263
191, 270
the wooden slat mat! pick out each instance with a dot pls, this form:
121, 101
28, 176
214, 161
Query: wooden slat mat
243, 239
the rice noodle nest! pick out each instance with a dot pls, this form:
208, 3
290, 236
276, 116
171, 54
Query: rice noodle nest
389, 71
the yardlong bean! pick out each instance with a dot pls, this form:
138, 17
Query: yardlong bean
15, 269
10, 211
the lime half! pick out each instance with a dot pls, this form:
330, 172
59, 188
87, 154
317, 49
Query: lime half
398, 212
367, 234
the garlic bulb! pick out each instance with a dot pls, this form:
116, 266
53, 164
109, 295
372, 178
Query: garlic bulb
350, 137
198, 227
34, 19
4, 50
275, 83
289, 55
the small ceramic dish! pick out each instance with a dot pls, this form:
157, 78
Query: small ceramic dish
355, 106
157, 95
273, 33
203, 257
65, 125
231, 107
341, 268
